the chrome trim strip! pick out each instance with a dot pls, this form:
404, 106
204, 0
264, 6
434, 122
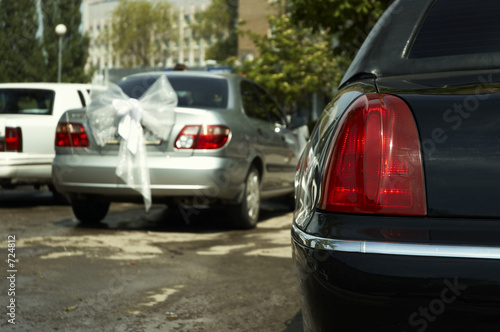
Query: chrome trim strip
392, 248
116, 142
125, 186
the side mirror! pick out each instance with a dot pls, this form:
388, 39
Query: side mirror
297, 121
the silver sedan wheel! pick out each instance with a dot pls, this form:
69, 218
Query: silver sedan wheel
253, 195
246, 214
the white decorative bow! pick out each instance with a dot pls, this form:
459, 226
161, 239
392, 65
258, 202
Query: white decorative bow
130, 129
111, 112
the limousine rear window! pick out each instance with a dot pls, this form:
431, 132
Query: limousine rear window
458, 27
26, 101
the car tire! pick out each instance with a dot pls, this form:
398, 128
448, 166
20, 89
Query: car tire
89, 210
246, 214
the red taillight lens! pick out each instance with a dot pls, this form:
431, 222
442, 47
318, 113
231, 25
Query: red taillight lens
202, 137
212, 137
71, 135
13, 139
375, 165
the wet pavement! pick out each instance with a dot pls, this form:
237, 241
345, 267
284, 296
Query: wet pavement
145, 272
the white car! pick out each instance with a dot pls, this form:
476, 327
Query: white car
29, 113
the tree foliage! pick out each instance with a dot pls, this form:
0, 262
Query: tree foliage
141, 31
223, 49
20, 50
292, 62
349, 21
75, 44
219, 21
28, 56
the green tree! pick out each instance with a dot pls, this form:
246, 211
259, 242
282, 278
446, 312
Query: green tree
219, 21
292, 62
75, 43
348, 21
20, 51
141, 32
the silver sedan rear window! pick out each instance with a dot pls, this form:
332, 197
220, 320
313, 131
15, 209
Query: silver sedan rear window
195, 92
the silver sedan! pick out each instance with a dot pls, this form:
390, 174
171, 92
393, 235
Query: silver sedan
230, 145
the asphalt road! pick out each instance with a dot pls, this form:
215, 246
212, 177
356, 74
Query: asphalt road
143, 272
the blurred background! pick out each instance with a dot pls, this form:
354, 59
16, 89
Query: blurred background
297, 49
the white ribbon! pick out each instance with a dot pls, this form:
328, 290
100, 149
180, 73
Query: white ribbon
111, 112
130, 112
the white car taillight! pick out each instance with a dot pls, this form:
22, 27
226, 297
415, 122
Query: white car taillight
71, 135
375, 163
13, 139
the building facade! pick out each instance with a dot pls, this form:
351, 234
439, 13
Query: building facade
254, 17
97, 16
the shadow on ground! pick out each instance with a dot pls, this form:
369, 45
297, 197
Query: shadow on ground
163, 219
127, 216
294, 324
23, 197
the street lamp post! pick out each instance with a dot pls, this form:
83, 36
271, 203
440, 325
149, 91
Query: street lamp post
60, 31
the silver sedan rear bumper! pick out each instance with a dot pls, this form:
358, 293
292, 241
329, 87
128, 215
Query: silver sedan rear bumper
196, 176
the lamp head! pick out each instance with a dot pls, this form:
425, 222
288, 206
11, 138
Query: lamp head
61, 30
